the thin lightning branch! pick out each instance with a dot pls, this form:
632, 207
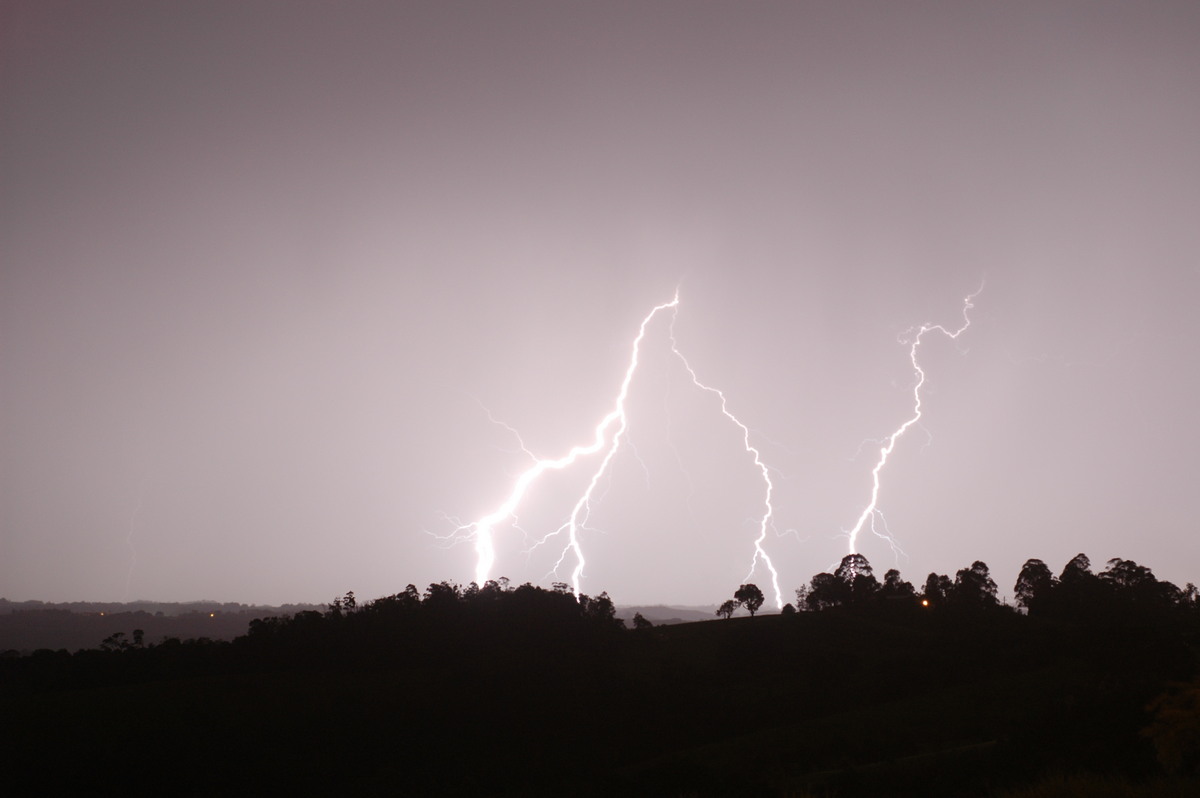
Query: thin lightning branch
765, 521
886, 536
508, 427
482, 530
870, 511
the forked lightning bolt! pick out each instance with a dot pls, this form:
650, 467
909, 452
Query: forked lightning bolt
482, 531
871, 510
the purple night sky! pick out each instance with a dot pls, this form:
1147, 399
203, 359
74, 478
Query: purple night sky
267, 267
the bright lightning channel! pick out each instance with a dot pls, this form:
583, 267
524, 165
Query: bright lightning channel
769, 512
871, 511
482, 531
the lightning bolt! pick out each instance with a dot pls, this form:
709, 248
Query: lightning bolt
871, 511
482, 531
769, 511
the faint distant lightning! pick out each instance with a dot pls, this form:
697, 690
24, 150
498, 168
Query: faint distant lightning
768, 514
481, 531
871, 510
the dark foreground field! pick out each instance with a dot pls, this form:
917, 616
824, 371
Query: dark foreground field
541, 699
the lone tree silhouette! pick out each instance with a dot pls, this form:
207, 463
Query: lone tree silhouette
750, 597
1034, 585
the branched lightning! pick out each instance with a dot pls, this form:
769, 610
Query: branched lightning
871, 511
765, 521
609, 435
482, 530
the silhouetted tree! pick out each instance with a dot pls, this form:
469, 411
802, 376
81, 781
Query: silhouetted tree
1079, 569
894, 587
1080, 592
640, 622
1136, 587
856, 574
599, 609
115, 642
750, 597
727, 609
937, 590
1034, 585
441, 597
411, 597
788, 609
974, 587
825, 591
1189, 597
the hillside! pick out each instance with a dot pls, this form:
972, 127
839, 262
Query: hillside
532, 692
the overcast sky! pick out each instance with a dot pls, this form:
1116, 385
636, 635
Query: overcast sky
267, 268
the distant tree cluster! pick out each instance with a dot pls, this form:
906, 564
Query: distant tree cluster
446, 620
1123, 587
748, 596
412, 619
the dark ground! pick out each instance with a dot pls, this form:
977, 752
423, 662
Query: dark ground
892, 702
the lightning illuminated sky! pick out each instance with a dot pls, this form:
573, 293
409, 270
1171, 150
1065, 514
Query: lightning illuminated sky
286, 246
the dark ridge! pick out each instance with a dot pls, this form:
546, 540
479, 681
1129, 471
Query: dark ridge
873, 689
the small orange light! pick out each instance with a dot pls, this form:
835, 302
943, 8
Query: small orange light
924, 602
212, 615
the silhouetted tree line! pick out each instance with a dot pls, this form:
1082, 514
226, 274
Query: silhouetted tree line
444, 619
874, 687
1123, 590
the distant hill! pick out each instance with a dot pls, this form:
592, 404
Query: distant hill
27, 626
539, 692
660, 614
